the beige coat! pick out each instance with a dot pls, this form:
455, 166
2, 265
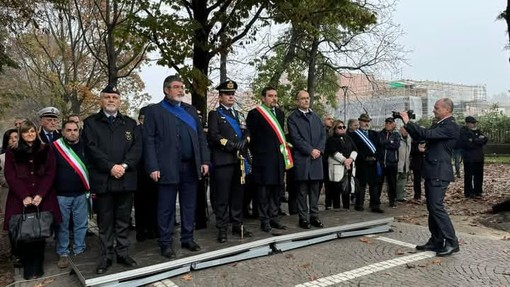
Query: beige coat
336, 166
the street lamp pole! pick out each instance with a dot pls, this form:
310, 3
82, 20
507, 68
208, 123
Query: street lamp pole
345, 88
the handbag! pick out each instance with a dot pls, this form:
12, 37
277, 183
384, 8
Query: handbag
31, 226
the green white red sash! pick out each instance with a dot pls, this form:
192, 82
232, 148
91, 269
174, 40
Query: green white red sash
73, 160
275, 125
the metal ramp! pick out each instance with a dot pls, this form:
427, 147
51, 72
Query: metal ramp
256, 248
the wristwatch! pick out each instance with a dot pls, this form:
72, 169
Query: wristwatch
125, 166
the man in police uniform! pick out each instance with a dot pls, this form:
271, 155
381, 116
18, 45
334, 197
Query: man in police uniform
113, 148
228, 140
48, 121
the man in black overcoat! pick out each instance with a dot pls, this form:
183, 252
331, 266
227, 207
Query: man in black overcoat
113, 148
472, 141
268, 146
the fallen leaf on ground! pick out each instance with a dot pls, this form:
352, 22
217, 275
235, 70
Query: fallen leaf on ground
187, 277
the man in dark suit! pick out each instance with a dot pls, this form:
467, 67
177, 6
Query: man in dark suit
228, 138
366, 141
48, 121
437, 171
271, 156
309, 140
472, 141
113, 149
176, 157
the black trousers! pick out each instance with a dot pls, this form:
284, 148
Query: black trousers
113, 215
268, 202
417, 183
440, 225
229, 196
307, 199
473, 178
250, 197
292, 190
32, 256
390, 173
337, 194
367, 175
146, 204
201, 214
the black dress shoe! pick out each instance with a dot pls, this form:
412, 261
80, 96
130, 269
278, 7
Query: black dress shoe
277, 225
447, 250
103, 265
265, 227
191, 246
429, 246
168, 252
236, 230
376, 209
305, 224
126, 261
222, 236
315, 221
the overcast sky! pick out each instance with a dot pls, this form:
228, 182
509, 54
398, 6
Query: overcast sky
456, 41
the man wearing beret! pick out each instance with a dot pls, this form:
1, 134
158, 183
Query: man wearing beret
113, 148
48, 121
228, 139
366, 141
387, 155
472, 141
176, 157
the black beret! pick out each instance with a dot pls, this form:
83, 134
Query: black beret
389, 120
364, 117
228, 86
111, 89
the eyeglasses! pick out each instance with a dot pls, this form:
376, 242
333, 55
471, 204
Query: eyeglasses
340, 128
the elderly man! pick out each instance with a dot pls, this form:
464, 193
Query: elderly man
113, 149
176, 157
387, 155
309, 139
48, 121
366, 141
440, 140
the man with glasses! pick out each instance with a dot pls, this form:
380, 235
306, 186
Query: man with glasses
366, 141
176, 157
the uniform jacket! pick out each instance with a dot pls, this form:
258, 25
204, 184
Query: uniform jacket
365, 155
472, 142
162, 145
107, 145
268, 166
441, 139
387, 149
306, 133
67, 181
44, 138
404, 152
338, 149
30, 174
220, 129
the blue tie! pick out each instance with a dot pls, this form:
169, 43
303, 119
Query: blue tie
50, 137
111, 119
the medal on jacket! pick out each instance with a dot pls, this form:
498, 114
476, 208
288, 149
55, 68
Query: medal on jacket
129, 136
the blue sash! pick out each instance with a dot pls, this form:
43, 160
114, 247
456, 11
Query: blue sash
235, 125
366, 140
180, 113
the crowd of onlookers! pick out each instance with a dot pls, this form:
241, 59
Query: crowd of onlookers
247, 163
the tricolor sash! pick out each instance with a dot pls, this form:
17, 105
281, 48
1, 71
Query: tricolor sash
275, 125
73, 160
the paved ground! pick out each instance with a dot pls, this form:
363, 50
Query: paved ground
388, 259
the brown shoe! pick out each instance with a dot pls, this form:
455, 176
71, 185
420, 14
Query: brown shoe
63, 262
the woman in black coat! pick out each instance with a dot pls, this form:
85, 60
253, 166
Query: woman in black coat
341, 152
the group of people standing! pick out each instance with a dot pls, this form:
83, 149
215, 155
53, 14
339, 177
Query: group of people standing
169, 154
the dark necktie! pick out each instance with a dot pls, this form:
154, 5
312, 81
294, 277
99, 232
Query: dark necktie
231, 112
274, 111
50, 137
111, 119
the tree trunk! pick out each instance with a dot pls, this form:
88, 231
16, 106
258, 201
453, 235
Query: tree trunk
312, 68
289, 57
